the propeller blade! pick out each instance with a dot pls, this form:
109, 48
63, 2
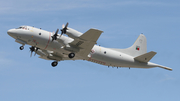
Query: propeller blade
54, 37
57, 32
63, 26
63, 31
66, 25
32, 50
31, 54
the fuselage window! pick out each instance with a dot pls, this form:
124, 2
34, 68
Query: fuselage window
39, 33
104, 52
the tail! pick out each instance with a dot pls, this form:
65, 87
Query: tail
139, 51
138, 48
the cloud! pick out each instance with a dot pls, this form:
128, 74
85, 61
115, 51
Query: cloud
19, 6
4, 61
167, 78
145, 3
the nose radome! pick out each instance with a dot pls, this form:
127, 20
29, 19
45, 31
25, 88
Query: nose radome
10, 32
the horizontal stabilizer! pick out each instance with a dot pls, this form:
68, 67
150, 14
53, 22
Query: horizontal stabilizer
145, 57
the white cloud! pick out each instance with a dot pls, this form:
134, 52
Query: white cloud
4, 61
167, 78
19, 6
145, 3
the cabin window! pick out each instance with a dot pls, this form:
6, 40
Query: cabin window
104, 52
39, 33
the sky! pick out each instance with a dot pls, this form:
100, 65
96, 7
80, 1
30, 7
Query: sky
25, 78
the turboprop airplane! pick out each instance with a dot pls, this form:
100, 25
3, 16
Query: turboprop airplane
78, 46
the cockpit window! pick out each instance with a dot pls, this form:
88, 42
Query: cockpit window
19, 28
22, 27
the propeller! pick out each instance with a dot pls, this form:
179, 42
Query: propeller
54, 37
63, 31
33, 49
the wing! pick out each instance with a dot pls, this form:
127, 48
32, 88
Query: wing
86, 42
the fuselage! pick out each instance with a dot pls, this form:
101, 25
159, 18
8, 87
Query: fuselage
101, 55
110, 57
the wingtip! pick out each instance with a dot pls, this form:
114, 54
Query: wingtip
97, 30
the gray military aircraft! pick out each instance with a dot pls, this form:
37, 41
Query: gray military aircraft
79, 46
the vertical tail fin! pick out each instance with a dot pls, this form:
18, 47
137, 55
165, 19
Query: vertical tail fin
138, 48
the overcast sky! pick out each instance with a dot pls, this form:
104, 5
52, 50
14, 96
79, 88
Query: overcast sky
32, 79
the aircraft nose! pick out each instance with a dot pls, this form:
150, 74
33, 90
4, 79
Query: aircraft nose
10, 32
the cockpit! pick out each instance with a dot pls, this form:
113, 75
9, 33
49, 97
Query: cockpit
23, 27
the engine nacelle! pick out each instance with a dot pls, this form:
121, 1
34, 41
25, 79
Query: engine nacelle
52, 57
73, 33
40, 52
71, 48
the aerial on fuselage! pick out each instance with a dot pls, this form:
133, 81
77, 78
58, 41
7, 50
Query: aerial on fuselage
82, 46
